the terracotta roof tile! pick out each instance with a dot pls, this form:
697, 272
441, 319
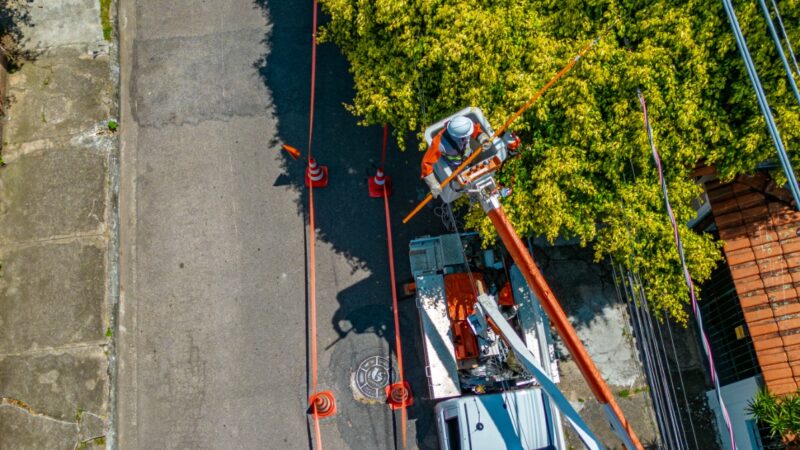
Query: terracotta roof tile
740, 256
737, 243
775, 372
754, 298
790, 245
755, 214
762, 249
786, 308
781, 293
763, 237
745, 184
752, 315
762, 328
717, 192
786, 232
776, 207
767, 250
784, 387
725, 206
792, 260
771, 264
772, 356
791, 339
749, 199
764, 343
776, 278
744, 270
749, 284
728, 220
732, 232
793, 352
784, 218
789, 324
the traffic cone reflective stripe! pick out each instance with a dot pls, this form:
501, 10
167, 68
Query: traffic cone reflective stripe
314, 172
398, 395
316, 175
378, 183
322, 404
379, 178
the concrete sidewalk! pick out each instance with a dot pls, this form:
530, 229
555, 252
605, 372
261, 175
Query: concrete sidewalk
57, 233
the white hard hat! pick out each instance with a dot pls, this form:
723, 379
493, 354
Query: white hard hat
459, 127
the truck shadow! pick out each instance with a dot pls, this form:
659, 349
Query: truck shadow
349, 221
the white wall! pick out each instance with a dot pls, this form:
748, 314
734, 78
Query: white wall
736, 397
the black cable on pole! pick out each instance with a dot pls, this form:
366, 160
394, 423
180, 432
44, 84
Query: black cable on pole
666, 381
683, 386
672, 395
644, 344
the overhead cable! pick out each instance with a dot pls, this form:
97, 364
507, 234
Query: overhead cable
687, 277
779, 47
785, 37
762, 102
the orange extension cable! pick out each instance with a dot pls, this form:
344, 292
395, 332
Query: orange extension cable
393, 284
312, 297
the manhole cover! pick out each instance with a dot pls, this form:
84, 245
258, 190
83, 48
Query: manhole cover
372, 376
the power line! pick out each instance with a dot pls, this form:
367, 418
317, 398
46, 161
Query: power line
762, 102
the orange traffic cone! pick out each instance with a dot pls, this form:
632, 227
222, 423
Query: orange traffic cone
316, 175
398, 395
322, 404
378, 183
293, 152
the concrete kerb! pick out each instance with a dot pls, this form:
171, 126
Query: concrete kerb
125, 341
3, 90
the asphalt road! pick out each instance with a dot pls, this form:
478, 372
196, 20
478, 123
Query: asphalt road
212, 341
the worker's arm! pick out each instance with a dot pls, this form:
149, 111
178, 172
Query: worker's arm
431, 157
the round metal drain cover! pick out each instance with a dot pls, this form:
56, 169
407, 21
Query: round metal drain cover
372, 376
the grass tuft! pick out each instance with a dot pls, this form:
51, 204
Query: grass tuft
105, 19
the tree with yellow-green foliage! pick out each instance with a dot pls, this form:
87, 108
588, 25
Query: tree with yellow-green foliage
586, 170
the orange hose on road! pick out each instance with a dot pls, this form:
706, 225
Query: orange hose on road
312, 298
397, 341
524, 260
393, 284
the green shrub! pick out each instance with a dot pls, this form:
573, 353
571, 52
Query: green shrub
587, 171
780, 414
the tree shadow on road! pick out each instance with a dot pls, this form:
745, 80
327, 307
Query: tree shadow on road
13, 54
14, 16
347, 219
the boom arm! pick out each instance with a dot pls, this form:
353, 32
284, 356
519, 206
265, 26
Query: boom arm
486, 192
487, 306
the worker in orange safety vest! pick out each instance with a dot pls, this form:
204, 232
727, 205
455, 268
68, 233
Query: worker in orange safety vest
457, 140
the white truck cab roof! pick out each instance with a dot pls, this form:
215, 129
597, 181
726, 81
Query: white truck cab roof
513, 420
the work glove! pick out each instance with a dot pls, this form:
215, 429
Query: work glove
433, 184
485, 141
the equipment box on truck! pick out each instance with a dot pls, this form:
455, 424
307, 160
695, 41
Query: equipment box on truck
489, 400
